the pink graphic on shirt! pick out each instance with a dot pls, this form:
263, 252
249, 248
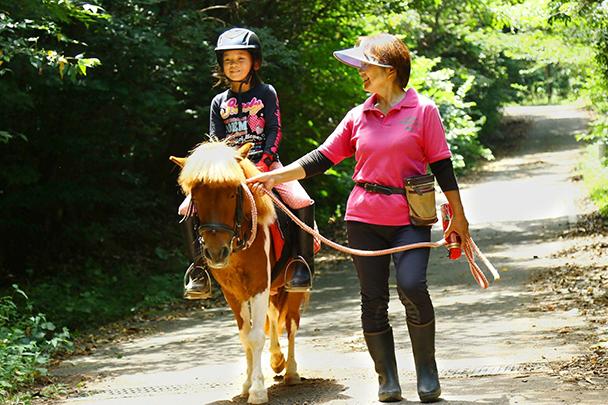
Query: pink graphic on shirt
231, 107
256, 124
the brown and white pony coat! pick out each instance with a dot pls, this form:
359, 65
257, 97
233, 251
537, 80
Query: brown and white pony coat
213, 174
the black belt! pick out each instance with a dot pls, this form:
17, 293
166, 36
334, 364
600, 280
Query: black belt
378, 188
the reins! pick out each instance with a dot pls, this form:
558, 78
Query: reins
254, 217
468, 246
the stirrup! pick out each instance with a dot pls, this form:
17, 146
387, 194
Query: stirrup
197, 288
291, 288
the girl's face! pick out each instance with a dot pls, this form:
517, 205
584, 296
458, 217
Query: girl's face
237, 64
375, 78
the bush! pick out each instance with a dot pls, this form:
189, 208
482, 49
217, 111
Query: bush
595, 175
27, 342
98, 293
462, 131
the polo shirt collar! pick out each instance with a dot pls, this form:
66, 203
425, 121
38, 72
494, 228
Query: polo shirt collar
409, 100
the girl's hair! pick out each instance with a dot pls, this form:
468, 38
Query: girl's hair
390, 50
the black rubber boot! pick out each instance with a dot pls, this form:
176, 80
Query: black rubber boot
301, 280
423, 346
382, 349
197, 282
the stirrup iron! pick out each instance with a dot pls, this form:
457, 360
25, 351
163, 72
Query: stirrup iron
293, 262
197, 288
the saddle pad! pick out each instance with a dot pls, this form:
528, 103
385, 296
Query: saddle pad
278, 241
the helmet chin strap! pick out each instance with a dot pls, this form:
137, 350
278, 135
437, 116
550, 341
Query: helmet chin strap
247, 79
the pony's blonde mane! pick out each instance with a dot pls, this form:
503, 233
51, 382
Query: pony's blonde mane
211, 163
215, 163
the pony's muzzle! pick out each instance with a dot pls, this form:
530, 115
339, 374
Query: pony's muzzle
217, 257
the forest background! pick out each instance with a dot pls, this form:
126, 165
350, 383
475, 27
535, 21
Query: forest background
95, 95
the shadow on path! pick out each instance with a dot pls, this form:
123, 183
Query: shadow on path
521, 206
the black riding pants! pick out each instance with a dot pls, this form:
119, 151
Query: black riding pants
373, 273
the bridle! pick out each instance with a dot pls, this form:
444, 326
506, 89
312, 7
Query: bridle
237, 240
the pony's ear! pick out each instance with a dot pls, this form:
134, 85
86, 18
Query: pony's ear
244, 150
178, 161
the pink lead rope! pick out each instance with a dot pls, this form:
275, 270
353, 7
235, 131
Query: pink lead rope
468, 246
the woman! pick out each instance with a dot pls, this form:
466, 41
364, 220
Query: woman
393, 135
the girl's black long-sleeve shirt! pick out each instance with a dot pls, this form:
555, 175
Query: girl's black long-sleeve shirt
252, 116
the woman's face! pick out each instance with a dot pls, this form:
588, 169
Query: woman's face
374, 77
237, 64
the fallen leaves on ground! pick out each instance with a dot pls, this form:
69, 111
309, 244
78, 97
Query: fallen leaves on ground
581, 283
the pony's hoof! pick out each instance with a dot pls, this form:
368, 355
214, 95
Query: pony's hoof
258, 397
292, 379
278, 363
245, 390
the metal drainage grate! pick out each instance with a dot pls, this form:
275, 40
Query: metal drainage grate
116, 393
494, 370
129, 392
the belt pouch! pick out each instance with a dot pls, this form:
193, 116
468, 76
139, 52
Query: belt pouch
420, 195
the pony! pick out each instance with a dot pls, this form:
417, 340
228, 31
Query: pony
240, 256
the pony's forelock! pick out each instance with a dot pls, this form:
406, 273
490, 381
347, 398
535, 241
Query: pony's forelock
211, 163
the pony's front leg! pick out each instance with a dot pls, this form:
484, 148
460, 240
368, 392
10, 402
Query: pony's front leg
255, 339
244, 333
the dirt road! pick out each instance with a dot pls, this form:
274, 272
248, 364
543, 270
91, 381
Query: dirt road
493, 347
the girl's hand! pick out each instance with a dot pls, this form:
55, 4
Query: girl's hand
261, 182
458, 224
265, 162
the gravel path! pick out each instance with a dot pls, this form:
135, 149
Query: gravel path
493, 347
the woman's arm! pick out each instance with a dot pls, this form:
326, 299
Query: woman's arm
268, 180
444, 173
335, 148
437, 151
459, 222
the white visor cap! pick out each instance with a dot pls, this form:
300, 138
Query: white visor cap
356, 57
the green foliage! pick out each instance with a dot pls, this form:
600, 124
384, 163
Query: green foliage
594, 169
327, 89
93, 172
598, 130
27, 342
461, 129
34, 30
591, 18
97, 95
96, 295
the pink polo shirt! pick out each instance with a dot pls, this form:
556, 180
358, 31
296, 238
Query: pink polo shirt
387, 148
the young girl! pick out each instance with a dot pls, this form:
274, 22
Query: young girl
248, 112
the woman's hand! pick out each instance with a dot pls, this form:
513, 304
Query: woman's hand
458, 224
263, 181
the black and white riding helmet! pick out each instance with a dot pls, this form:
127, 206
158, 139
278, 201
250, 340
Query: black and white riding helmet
238, 38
